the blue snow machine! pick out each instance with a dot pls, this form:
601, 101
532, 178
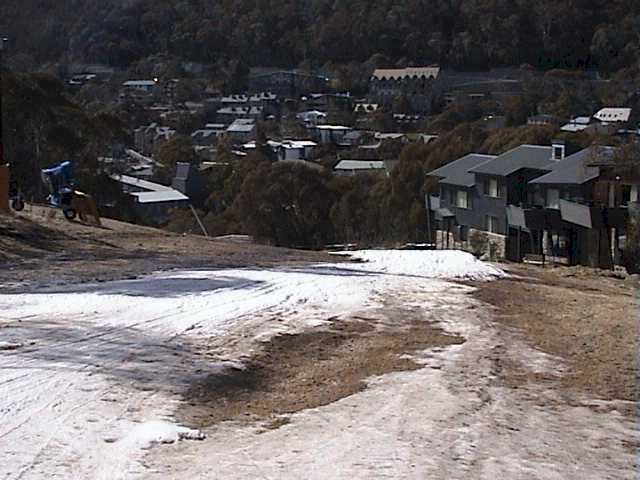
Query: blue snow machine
59, 179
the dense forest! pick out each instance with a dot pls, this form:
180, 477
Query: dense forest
323, 33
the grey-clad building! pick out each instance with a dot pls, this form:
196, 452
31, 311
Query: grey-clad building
535, 201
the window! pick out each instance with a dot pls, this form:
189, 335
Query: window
553, 198
462, 199
492, 224
626, 195
492, 188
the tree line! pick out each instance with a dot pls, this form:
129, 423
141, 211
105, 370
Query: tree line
318, 33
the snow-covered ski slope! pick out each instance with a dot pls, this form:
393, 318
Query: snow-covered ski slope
90, 374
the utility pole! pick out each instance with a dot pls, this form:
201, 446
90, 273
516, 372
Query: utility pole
3, 40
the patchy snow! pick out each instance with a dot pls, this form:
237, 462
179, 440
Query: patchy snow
148, 434
86, 368
91, 377
448, 264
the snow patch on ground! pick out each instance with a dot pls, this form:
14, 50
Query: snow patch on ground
147, 434
96, 361
445, 264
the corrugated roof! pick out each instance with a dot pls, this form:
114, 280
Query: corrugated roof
534, 157
575, 169
457, 172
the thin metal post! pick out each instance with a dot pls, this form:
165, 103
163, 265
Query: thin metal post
3, 40
195, 214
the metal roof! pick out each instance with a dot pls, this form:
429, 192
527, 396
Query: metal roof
574, 127
400, 73
575, 169
613, 115
139, 83
457, 172
534, 157
333, 127
360, 165
240, 128
160, 197
155, 193
137, 182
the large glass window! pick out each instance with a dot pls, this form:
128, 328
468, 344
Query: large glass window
462, 199
492, 188
553, 198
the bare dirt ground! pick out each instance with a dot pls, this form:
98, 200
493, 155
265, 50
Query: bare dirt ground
293, 373
580, 315
40, 246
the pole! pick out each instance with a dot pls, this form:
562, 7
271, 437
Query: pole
195, 214
3, 40
428, 204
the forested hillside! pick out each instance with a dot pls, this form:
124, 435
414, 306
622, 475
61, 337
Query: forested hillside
456, 33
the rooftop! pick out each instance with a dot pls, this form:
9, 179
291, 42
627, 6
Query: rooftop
457, 172
409, 72
535, 157
613, 115
575, 169
360, 165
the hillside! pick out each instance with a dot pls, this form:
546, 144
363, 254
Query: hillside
38, 246
287, 33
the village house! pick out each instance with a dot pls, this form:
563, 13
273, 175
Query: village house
349, 168
296, 149
151, 201
147, 138
330, 133
606, 121
208, 137
230, 114
241, 131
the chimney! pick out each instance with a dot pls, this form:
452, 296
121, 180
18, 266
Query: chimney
558, 150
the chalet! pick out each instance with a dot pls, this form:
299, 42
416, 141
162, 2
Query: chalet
421, 86
536, 201
477, 189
